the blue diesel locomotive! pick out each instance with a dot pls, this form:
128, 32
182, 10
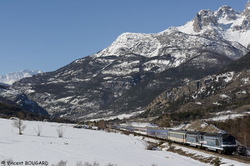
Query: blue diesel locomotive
222, 143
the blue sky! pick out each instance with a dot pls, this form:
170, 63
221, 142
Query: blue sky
49, 34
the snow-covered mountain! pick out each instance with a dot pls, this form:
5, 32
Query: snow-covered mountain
10, 78
225, 23
136, 67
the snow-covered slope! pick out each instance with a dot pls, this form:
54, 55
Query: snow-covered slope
84, 145
179, 46
10, 78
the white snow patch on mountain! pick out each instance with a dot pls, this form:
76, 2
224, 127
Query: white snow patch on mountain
226, 117
120, 72
224, 96
245, 80
227, 77
133, 42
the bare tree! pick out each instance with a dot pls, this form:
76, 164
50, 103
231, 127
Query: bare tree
89, 164
60, 131
61, 163
79, 163
18, 123
38, 130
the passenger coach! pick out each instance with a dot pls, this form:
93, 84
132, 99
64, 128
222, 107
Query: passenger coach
177, 136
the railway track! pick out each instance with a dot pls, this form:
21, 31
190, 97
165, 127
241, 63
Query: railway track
241, 159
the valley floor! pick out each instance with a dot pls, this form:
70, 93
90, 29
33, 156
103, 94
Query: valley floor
83, 145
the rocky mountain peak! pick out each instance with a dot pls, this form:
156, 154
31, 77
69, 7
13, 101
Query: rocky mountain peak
225, 23
246, 10
204, 18
226, 12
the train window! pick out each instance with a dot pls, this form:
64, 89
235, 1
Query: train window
196, 139
208, 138
177, 135
229, 139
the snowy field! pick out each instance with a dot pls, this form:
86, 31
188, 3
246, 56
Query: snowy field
82, 145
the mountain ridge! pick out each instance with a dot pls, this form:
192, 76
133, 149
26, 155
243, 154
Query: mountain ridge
10, 78
133, 70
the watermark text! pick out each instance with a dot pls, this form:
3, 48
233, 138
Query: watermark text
20, 163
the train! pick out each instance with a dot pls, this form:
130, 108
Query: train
222, 143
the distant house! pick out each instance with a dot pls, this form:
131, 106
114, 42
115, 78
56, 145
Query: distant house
94, 128
101, 125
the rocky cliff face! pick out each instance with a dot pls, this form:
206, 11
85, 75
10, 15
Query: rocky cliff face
134, 69
226, 92
225, 23
246, 12
19, 100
